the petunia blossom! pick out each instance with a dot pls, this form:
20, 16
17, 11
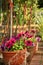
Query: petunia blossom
28, 43
33, 31
38, 39
18, 36
10, 43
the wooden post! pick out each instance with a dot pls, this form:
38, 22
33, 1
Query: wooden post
11, 20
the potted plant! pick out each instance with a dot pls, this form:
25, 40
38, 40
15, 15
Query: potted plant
14, 50
30, 43
31, 40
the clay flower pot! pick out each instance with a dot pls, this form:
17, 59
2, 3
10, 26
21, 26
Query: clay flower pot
14, 57
32, 51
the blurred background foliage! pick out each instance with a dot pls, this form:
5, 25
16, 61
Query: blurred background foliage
24, 12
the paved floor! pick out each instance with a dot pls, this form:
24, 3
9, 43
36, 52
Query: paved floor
37, 60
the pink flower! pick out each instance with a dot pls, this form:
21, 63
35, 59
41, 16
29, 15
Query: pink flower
30, 36
22, 33
28, 43
38, 39
26, 32
13, 40
7, 44
18, 36
33, 31
10, 43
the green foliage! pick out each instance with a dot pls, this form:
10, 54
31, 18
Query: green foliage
19, 10
39, 20
18, 45
33, 39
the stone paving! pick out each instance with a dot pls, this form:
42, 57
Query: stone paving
37, 60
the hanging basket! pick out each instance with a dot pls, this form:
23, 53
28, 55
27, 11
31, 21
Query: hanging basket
14, 58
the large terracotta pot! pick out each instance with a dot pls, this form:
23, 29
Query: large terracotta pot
14, 58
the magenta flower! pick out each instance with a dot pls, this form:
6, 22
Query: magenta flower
18, 36
30, 36
22, 33
13, 40
33, 31
28, 43
26, 32
3, 43
10, 43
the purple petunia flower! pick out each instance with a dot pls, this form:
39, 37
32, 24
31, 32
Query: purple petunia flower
12, 40
28, 35
26, 32
10, 43
18, 36
38, 39
3, 43
33, 31
28, 43
3, 46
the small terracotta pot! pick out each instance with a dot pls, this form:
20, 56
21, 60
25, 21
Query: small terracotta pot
14, 58
32, 51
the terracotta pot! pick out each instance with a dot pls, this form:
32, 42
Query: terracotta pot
14, 58
32, 52
32, 49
